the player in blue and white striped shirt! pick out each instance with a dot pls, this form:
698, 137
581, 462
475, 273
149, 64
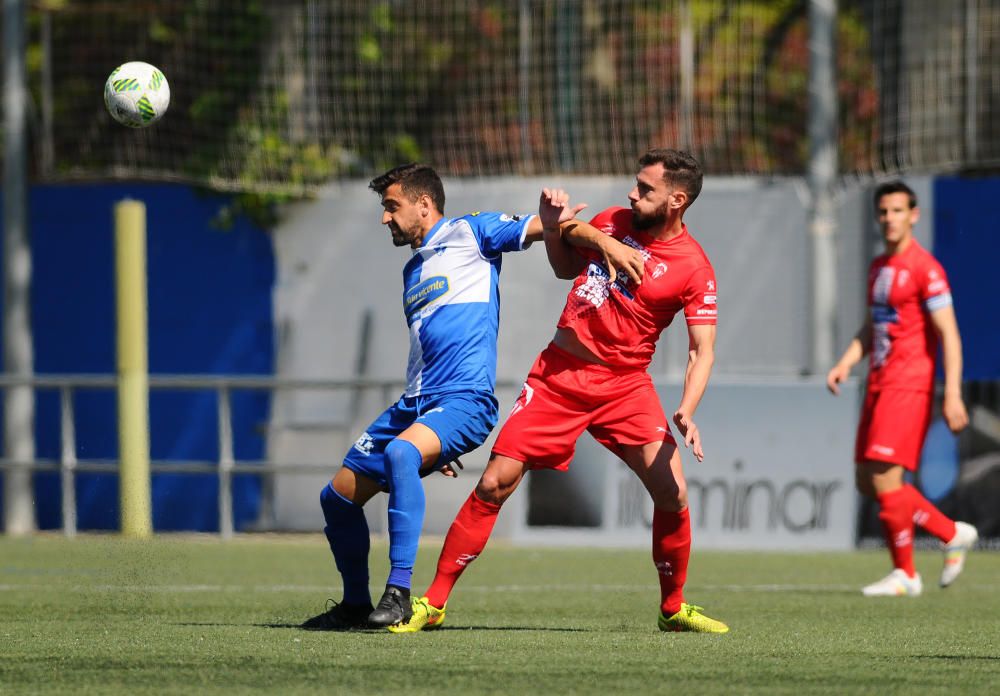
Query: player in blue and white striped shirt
451, 301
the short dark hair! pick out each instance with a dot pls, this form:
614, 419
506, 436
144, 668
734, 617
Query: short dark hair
896, 186
415, 180
682, 170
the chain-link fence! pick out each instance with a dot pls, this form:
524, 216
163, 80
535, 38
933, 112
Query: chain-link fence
283, 95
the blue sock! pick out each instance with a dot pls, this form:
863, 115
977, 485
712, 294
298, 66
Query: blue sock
347, 531
406, 509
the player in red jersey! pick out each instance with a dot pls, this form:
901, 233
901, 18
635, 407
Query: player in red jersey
910, 311
633, 270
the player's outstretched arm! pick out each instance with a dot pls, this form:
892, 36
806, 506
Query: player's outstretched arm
857, 349
952, 408
618, 257
701, 357
554, 210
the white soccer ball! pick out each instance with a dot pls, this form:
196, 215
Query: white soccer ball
136, 94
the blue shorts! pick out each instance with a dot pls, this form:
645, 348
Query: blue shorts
461, 420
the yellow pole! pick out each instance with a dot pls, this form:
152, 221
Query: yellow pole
133, 385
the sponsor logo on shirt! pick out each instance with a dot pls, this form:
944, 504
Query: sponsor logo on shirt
510, 218
422, 294
883, 449
659, 270
884, 314
711, 285
597, 287
709, 299
638, 247
439, 409
883, 284
937, 286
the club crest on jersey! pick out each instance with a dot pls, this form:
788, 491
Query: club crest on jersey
365, 444
523, 400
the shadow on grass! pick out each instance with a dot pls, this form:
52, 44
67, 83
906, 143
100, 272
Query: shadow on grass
959, 658
382, 630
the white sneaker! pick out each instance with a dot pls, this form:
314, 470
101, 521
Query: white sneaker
955, 551
895, 584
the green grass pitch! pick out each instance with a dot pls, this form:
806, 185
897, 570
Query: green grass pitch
195, 615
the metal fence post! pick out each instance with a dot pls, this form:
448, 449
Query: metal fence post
226, 461
68, 461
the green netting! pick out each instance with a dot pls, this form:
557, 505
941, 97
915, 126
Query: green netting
282, 96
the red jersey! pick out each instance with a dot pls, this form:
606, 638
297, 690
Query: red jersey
903, 290
619, 322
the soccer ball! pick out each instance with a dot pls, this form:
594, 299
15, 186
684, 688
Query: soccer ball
136, 94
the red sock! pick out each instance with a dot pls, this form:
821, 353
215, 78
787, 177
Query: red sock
671, 551
896, 514
929, 517
466, 539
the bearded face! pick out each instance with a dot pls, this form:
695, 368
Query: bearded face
645, 221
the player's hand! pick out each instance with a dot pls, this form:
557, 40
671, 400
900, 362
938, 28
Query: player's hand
955, 415
449, 469
554, 208
835, 377
689, 431
621, 258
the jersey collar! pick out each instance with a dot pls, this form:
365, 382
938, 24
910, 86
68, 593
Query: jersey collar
431, 232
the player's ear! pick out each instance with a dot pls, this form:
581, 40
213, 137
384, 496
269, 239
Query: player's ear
678, 199
914, 215
426, 204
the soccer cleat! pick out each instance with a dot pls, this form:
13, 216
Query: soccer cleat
393, 608
339, 617
425, 617
895, 584
955, 551
690, 618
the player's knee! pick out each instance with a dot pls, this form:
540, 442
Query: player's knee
863, 482
678, 497
672, 498
493, 489
401, 457
335, 506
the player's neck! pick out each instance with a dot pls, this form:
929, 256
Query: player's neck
427, 227
896, 248
671, 228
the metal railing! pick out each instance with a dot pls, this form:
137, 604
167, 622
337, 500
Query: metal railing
226, 465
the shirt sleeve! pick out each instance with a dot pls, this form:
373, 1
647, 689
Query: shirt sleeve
934, 289
700, 297
499, 232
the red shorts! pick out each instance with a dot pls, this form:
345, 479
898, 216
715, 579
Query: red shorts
564, 396
892, 428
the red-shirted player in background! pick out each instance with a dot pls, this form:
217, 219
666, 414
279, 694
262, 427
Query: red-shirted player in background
633, 270
910, 310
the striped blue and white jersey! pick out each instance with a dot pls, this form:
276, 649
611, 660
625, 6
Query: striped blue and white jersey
451, 299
